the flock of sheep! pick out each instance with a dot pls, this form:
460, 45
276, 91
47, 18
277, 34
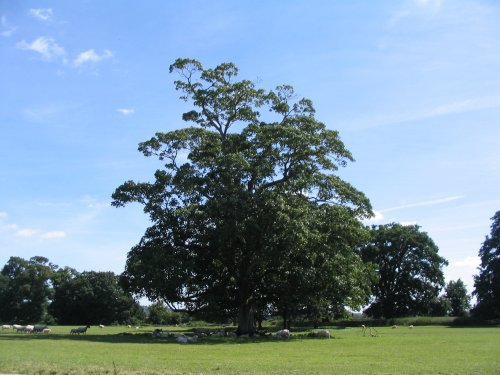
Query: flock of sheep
37, 328
40, 328
184, 339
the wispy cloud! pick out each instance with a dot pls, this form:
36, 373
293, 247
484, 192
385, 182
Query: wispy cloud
6, 29
26, 232
53, 235
90, 56
47, 47
43, 14
429, 3
467, 105
3, 214
462, 106
125, 111
423, 203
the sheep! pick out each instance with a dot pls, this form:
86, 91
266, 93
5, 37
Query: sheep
19, 328
28, 329
6, 326
394, 326
322, 333
79, 330
129, 326
39, 328
101, 326
182, 339
282, 334
46, 330
411, 326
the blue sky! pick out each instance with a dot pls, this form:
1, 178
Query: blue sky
413, 87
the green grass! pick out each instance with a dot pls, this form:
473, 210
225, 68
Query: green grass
423, 350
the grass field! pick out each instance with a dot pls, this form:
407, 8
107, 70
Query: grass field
120, 350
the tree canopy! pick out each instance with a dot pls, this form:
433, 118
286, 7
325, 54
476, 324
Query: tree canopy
487, 282
245, 200
36, 291
459, 299
409, 270
92, 298
25, 289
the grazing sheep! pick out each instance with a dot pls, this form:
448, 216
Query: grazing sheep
46, 330
322, 333
19, 328
411, 326
394, 326
129, 326
79, 330
6, 326
28, 329
101, 326
39, 328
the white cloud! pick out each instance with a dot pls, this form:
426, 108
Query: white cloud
468, 262
26, 232
125, 111
91, 56
424, 203
429, 3
3, 214
7, 30
379, 216
47, 47
43, 14
466, 105
53, 235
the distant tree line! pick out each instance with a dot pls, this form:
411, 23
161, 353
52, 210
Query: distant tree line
36, 290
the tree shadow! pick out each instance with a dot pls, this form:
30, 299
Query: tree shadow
146, 338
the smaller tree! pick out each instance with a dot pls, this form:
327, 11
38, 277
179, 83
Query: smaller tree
92, 298
409, 270
159, 314
25, 289
439, 306
456, 293
487, 283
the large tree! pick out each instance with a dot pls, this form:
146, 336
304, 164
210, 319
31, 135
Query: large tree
487, 283
25, 289
240, 198
409, 270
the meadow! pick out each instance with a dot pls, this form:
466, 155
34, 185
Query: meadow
123, 350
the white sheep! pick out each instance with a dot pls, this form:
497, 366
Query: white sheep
394, 326
411, 326
6, 326
181, 339
28, 329
322, 333
46, 330
282, 334
101, 326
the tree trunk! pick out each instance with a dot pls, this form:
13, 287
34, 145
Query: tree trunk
246, 320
